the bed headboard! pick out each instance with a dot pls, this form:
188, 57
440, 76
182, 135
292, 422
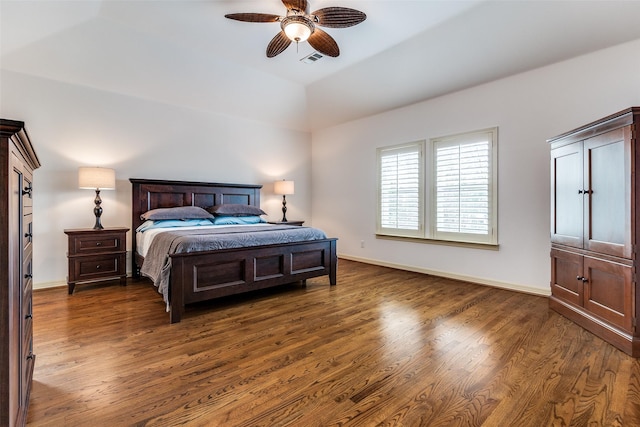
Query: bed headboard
150, 194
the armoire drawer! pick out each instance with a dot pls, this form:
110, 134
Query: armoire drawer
27, 227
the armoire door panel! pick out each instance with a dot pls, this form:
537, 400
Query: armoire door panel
607, 292
567, 198
608, 174
566, 268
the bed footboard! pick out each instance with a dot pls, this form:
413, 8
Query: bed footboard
207, 275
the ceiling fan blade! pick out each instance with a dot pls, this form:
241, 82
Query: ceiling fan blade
253, 17
324, 43
278, 44
300, 5
339, 17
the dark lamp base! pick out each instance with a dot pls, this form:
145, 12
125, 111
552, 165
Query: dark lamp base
98, 211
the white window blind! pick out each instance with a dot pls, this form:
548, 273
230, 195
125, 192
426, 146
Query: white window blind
464, 187
400, 195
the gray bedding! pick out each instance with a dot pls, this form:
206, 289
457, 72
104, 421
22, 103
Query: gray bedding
157, 263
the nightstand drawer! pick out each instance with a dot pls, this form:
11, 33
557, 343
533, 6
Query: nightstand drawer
96, 266
95, 243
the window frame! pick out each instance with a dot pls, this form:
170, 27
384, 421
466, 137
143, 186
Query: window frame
419, 147
467, 138
427, 192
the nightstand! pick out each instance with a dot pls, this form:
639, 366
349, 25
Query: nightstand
287, 222
96, 255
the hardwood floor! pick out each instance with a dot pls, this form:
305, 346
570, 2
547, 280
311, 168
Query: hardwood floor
383, 347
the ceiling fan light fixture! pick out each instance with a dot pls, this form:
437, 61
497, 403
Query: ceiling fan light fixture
297, 28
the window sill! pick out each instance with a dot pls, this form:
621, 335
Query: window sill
472, 245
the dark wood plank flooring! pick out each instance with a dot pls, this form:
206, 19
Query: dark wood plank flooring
383, 347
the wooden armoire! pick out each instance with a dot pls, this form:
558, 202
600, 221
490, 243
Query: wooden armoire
595, 227
17, 160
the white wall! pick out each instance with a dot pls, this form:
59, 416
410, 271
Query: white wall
72, 125
528, 108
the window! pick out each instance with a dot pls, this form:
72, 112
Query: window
400, 195
460, 188
464, 187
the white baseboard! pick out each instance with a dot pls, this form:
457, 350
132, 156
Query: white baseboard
472, 279
58, 284
47, 285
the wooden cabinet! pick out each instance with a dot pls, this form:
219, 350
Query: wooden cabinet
17, 160
96, 254
594, 211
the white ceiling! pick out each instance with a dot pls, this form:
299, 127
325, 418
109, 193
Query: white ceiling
186, 53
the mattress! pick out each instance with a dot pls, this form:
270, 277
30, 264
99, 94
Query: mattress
144, 238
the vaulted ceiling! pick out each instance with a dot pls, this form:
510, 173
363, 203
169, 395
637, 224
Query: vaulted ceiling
185, 53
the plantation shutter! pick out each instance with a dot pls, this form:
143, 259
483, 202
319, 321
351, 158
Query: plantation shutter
464, 188
400, 189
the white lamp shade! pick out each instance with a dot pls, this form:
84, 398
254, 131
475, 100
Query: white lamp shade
97, 178
283, 187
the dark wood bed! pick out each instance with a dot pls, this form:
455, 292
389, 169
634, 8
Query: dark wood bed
201, 276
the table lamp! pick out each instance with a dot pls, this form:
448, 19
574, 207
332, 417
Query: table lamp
283, 187
97, 179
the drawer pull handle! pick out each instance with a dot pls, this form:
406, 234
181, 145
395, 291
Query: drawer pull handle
30, 356
584, 279
28, 276
27, 190
29, 316
98, 267
98, 243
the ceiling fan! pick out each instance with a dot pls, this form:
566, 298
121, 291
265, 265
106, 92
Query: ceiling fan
299, 26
